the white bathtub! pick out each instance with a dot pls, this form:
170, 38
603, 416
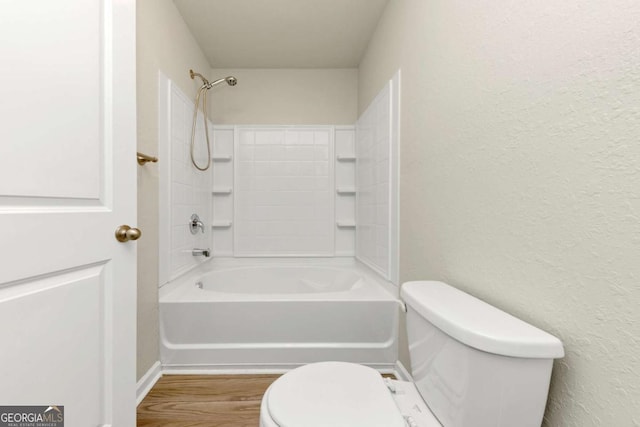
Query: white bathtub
277, 314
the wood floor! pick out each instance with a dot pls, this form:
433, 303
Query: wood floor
204, 401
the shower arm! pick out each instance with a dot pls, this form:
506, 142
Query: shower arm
193, 75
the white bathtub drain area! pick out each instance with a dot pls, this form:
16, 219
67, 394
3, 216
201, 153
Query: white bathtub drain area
277, 315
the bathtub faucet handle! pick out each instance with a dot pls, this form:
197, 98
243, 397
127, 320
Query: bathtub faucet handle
201, 252
196, 224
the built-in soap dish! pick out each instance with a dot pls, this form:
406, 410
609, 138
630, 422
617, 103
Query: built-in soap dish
222, 190
346, 190
217, 158
346, 224
221, 224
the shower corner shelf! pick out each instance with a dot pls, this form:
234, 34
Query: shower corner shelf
221, 224
346, 224
346, 190
221, 190
346, 158
217, 158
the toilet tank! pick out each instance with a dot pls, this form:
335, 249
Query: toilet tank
473, 364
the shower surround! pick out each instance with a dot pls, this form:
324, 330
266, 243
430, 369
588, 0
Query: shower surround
302, 222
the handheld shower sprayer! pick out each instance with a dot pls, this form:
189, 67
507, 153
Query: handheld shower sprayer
206, 85
231, 81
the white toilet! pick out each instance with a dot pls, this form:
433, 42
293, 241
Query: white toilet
473, 366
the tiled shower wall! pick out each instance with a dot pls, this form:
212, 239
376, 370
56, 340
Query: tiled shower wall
284, 192
377, 183
190, 189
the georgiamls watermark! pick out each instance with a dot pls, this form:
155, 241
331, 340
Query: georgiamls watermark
32, 416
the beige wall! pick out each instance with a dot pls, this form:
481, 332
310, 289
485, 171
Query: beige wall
164, 44
286, 96
520, 151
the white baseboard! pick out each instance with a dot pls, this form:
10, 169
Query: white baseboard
401, 372
147, 381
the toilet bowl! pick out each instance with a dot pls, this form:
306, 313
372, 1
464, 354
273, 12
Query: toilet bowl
340, 394
472, 365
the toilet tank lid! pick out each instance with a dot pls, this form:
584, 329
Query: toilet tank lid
477, 324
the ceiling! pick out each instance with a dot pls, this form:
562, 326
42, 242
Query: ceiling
282, 33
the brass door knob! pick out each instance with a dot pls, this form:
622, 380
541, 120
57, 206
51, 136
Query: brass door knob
124, 233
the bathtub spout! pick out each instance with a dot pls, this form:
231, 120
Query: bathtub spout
201, 252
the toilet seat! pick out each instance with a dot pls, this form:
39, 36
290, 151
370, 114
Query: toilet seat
340, 394
335, 394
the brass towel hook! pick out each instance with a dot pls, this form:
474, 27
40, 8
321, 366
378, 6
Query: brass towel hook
143, 158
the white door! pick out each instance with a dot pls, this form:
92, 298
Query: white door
67, 180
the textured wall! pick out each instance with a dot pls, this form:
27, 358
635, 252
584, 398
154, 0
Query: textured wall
286, 96
164, 43
520, 127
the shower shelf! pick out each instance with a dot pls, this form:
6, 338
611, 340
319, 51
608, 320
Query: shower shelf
221, 224
346, 224
346, 190
221, 158
342, 158
221, 190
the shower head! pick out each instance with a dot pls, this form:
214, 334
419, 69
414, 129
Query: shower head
230, 80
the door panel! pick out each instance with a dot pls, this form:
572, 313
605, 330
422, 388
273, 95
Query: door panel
67, 180
63, 361
52, 61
